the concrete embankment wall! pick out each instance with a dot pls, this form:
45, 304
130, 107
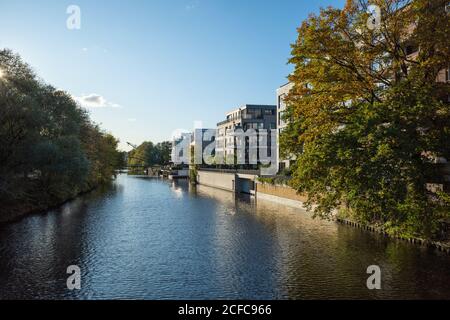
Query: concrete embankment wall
288, 196
224, 181
281, 194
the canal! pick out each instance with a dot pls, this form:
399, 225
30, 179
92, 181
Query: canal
153, 239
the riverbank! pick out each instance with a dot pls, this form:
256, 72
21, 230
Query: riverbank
285, 195
443, 246
16, 212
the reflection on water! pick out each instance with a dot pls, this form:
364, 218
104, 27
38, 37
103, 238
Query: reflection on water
153, 239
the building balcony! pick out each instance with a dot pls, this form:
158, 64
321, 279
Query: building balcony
223, 122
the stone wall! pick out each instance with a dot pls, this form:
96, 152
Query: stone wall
224, 181
280, 191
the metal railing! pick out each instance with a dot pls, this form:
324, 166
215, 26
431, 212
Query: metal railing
239, 171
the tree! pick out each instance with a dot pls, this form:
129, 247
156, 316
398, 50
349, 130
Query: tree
164, 152
149, 154
122, 159
367, 117
50, 150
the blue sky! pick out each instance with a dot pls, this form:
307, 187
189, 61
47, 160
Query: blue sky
146, 68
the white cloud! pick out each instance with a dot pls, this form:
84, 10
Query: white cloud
94, 100
94, 49
132, 120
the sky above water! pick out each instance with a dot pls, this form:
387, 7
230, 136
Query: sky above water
147, 68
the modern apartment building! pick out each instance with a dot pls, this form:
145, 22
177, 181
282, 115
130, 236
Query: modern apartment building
203, 139
258, 117
413, 50
282, 92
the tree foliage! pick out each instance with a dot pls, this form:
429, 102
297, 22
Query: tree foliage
368, 119
50, 149
149, 154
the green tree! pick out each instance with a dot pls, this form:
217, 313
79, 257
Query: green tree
164, 150
50, 150
149, 154
122, 159
367, 118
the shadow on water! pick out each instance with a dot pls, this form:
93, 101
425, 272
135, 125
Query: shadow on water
146, 238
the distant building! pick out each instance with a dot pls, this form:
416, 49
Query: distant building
201, 140
258, 117
181, 148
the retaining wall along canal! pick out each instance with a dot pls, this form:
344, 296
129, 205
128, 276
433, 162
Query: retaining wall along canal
288, 196
224, 181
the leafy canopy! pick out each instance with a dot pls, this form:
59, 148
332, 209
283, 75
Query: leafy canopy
369, 115
50, 150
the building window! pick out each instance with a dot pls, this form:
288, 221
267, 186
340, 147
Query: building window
280, 118
281, 103
257, 113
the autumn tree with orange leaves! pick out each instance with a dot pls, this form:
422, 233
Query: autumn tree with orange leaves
369, 114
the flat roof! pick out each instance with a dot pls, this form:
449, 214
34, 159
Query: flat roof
260, 106
286, 84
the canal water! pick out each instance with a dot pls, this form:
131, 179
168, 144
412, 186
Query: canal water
153, 239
